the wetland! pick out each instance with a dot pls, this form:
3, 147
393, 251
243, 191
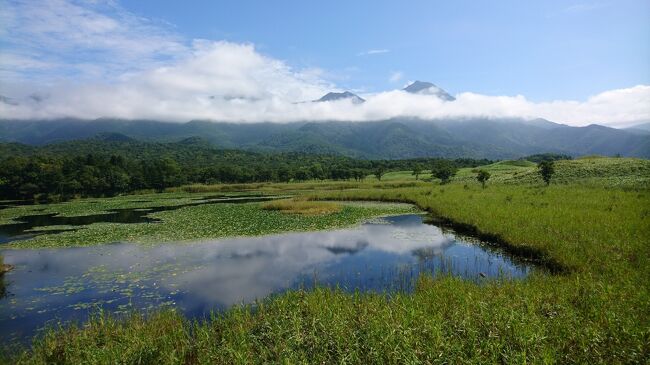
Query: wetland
385, 255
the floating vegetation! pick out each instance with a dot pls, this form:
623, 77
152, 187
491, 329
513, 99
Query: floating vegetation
203, 220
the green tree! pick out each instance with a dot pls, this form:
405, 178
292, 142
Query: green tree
443, 170
417, 170
28, 190
284, 174
379, 172
162, 173
302, 174
482, 176
546, 169
358, 174
264, 174
116, 180
316, 171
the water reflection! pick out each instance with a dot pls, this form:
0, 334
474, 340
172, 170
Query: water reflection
198, 277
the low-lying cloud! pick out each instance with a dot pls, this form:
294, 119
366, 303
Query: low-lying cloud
178, 80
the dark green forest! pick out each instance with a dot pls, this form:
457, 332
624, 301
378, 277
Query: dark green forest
111, 165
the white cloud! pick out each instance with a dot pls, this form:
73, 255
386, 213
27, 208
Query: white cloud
155, 75
65, 36
396, 76
232, 82
583, 7
373, 52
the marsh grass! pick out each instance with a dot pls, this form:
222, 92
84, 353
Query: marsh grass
303, 207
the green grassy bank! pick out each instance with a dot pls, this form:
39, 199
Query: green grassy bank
597, 311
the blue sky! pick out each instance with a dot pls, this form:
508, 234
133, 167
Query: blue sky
574, 62
542, 49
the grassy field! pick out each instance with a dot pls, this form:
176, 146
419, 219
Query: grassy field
628, 173
594, 224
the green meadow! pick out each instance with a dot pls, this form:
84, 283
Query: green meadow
592, 225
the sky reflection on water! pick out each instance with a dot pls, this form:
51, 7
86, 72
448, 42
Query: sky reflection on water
384, 255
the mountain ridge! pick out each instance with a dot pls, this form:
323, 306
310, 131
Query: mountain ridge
392, 139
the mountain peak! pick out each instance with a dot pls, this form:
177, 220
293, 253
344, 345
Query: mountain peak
332, 96
112, 137
194, 141
418, 86
427, 88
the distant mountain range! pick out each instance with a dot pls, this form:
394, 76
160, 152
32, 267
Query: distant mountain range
388, 139
417, 87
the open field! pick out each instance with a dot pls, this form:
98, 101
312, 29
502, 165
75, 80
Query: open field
591, 171
595, 224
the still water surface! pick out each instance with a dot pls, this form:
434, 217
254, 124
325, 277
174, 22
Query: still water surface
384, 255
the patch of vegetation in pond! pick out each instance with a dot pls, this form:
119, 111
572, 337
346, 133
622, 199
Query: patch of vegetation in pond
29, 226
207, 219
386, 255
79, 207
235, 195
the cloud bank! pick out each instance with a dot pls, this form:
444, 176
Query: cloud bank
92, 59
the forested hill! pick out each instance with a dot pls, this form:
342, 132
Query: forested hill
389, 139
113, 163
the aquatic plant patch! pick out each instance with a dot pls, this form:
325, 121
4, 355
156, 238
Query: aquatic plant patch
211, 221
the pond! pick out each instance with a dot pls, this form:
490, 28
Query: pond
383, 255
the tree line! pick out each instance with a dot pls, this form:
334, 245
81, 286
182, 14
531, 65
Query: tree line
70, 170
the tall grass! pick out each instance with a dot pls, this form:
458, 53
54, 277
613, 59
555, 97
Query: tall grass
585, 228
303, 207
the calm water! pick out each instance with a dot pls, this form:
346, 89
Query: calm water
386, 255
